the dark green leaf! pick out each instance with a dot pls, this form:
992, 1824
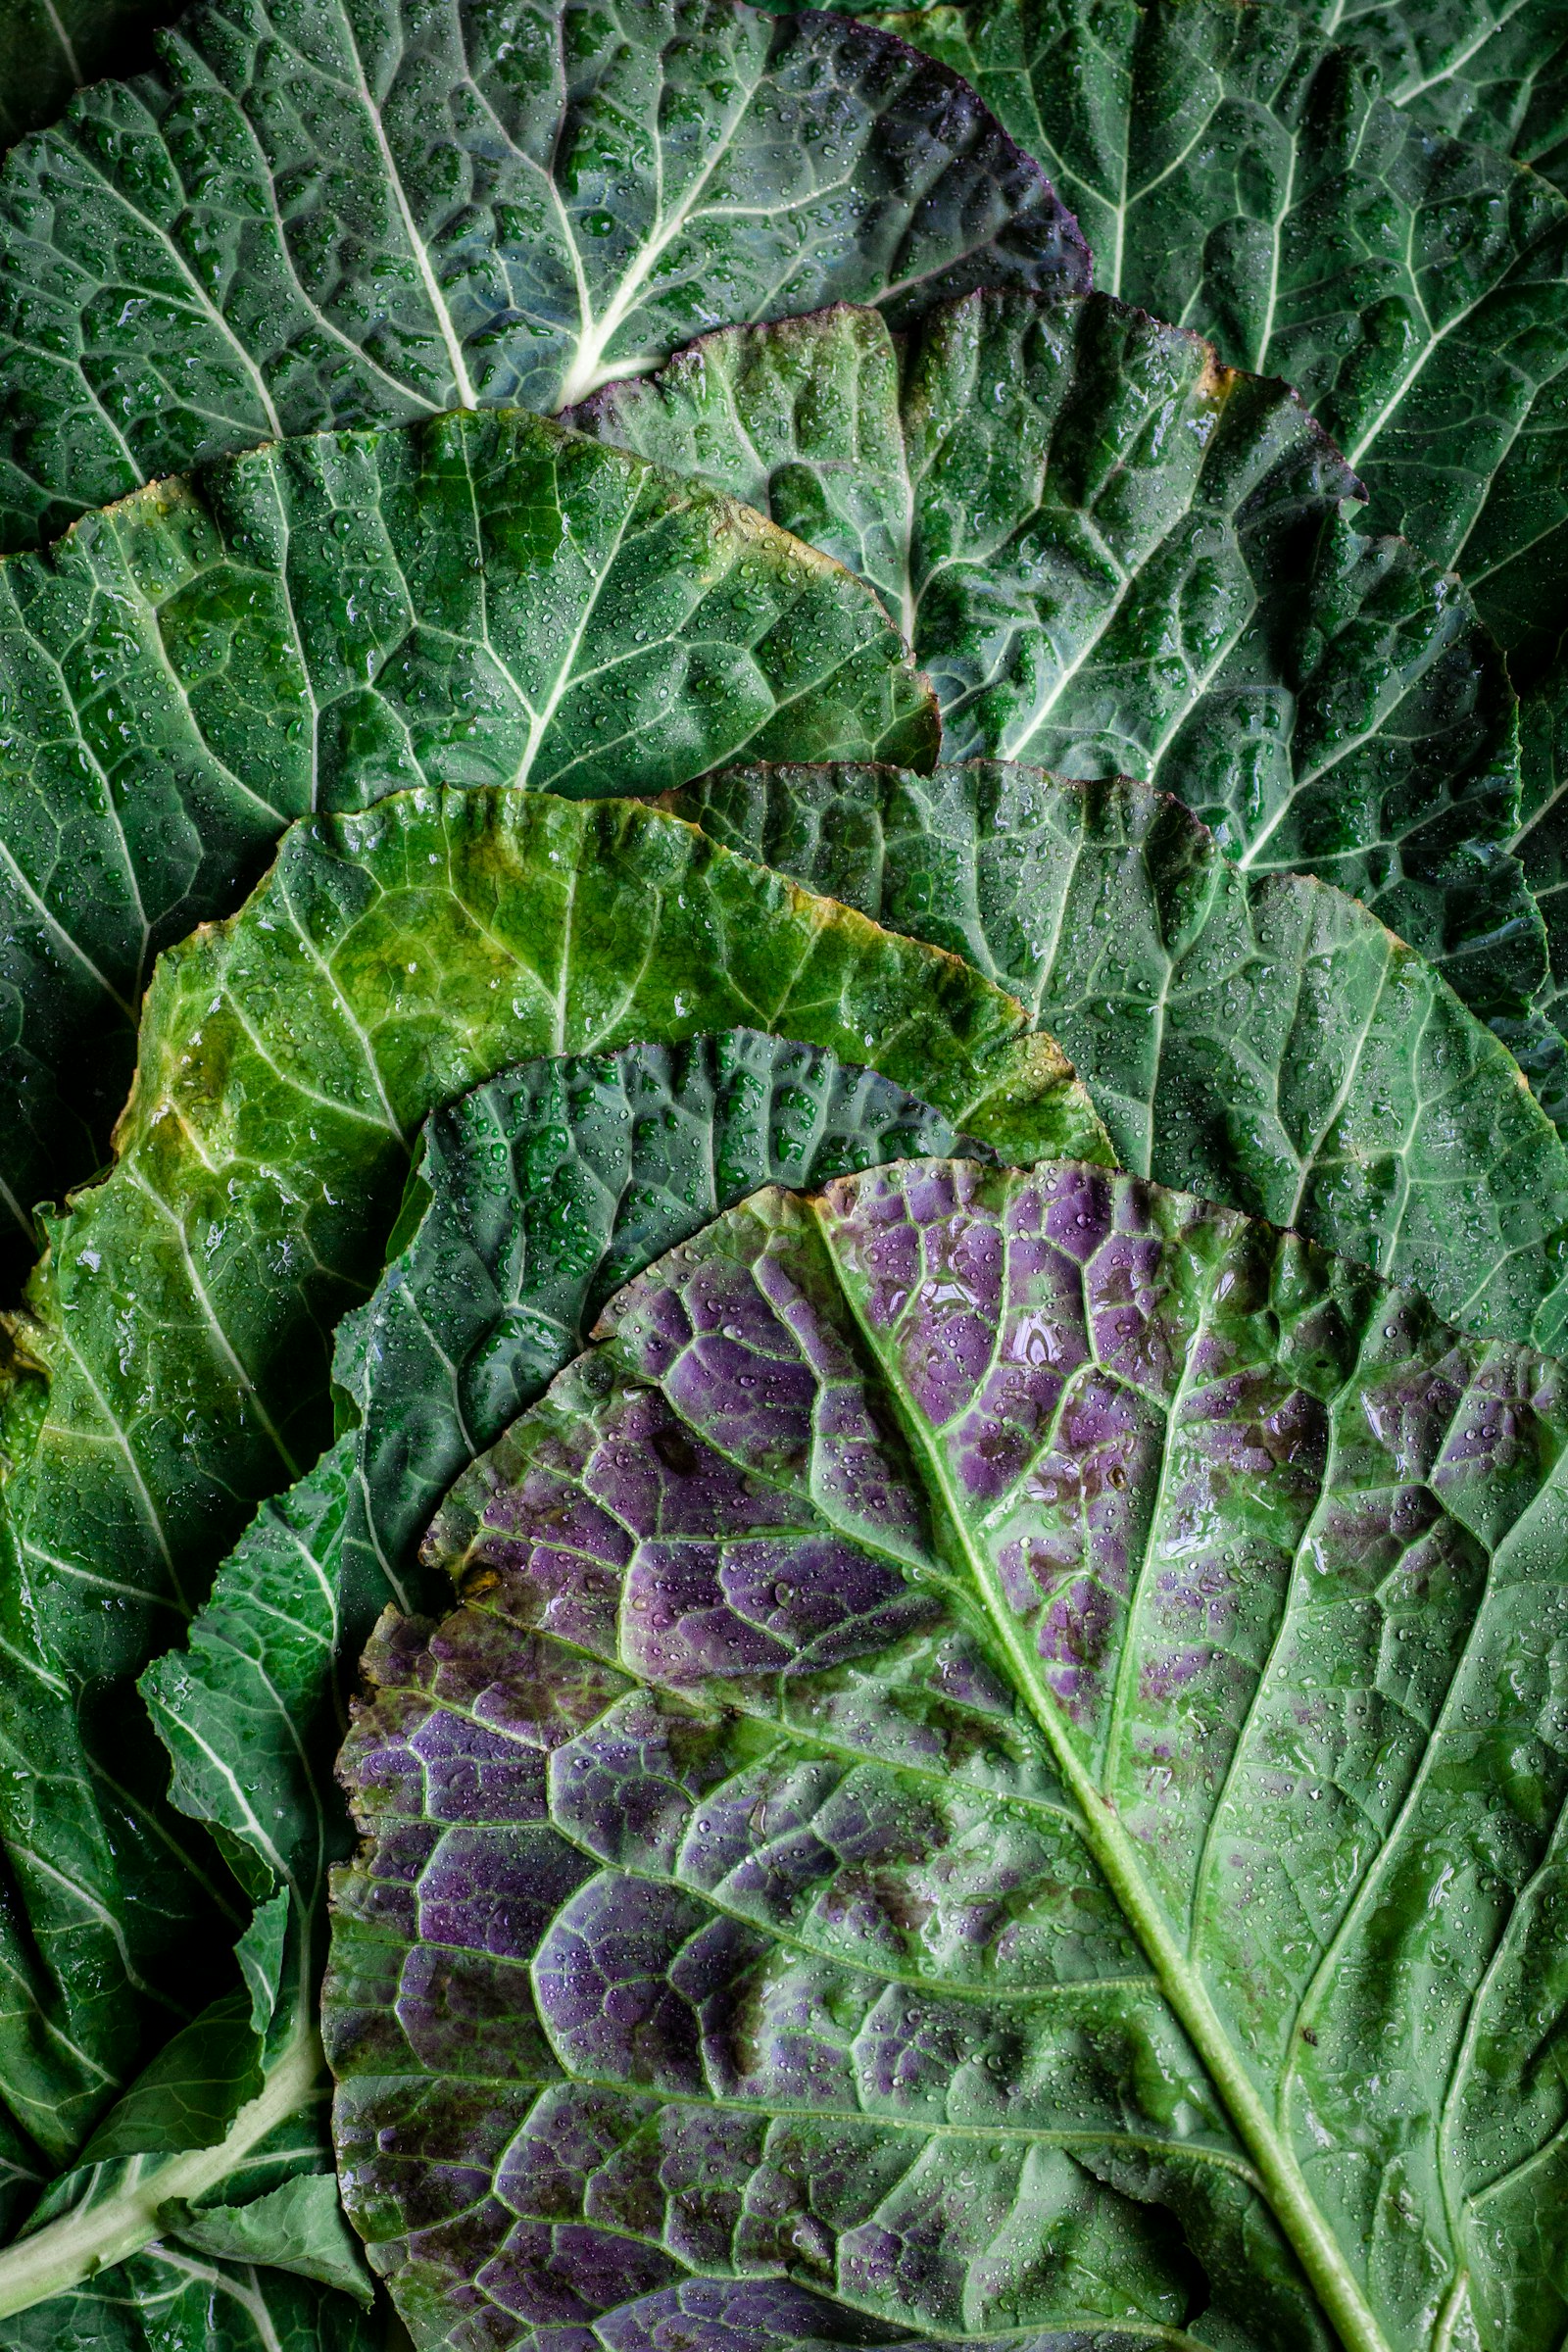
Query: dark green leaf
480, 600
1113, 556
360, 209
182, 1315
1542, 845
1491, 71
48, 48
1259, 1039
168, 2300
1234, 169
90, 2257
1004, 1736
192, 2091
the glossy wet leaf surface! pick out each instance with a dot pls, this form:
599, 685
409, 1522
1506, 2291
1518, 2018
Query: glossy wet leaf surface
1235, 171
184, 1313
1001, 1739
1258, 1039
186, 2301
1491, 71
351, 212
479, 600
1114, 556
204, 2211
536, 1197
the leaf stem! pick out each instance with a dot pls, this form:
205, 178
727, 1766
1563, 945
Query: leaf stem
97, 2235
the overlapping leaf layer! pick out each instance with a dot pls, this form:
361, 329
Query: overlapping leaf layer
1491, 71
608, 1160
1237, 170
1114, 556
480, 600
48, 48
999, 1777
1257, 1038
335, 214
182, 1317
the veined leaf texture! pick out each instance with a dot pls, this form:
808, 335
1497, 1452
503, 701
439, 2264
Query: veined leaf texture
612, 603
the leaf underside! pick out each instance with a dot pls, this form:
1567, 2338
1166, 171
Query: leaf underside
1113, 557
182, 1315
364, 212
1259, 1039
477, 600
1001, 1738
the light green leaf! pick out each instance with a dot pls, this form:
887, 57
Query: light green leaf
261, 1953
1115, 557
297, 2227
1259, 1039
336, 212
1003, 1742
478, 600
1235, 171
182, 1315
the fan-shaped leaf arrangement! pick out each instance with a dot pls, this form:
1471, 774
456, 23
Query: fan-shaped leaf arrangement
607, 661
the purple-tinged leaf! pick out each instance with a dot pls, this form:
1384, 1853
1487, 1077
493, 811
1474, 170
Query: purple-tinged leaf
1003, 1742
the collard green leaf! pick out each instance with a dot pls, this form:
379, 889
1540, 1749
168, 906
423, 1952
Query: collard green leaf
48, 48
1003, 1737
536, 1197
1491, 71
1114, 556
475, 600
182, 1316
191, 2091
1541, 844
1237, 170
346, 212
120, 2246
1259, 1039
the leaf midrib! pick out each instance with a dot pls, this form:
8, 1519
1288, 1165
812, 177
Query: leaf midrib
94, 2236
1294, 2207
